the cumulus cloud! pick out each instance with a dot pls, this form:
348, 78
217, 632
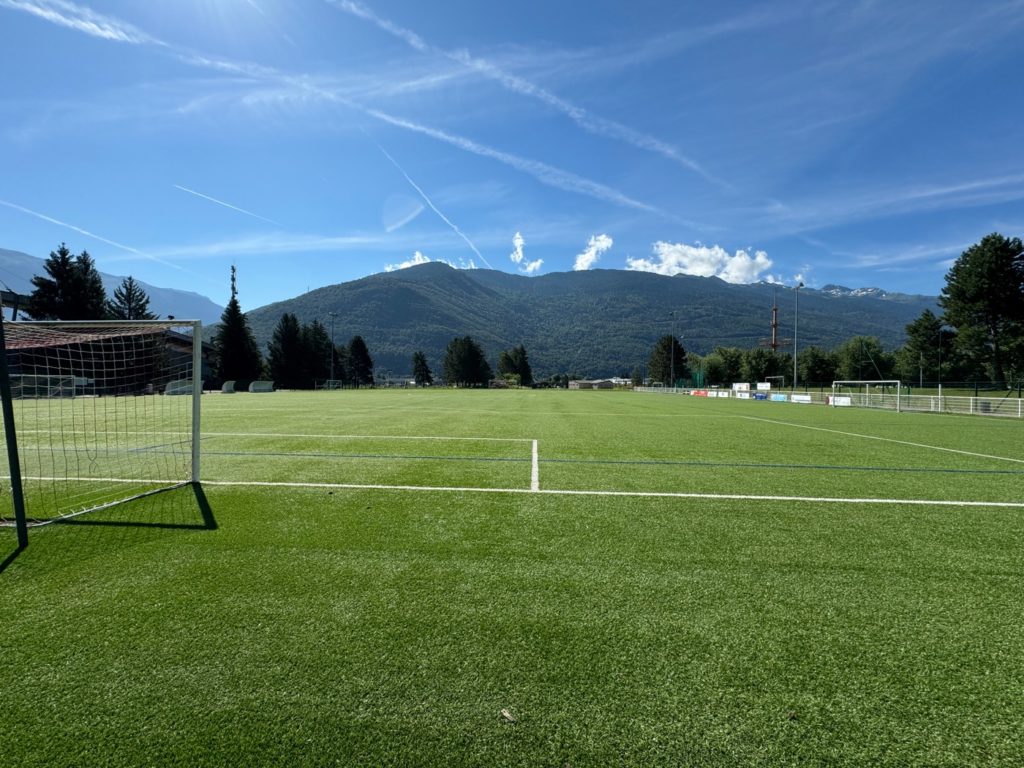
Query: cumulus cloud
420, 258
597, 245
417, 259
518, 256
704, 261
517, 248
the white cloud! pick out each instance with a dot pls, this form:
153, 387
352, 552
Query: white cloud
517, 256
517, 245
597, 245
704, 261
419, 258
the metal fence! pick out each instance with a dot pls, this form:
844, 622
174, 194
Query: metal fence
1007, 407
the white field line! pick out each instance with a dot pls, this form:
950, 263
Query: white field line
621, 494
369, 437
885, 439
535, 470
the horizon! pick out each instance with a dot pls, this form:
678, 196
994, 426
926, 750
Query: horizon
319, 143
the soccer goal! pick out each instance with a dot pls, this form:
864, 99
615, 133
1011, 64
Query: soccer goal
97, 414
877, 393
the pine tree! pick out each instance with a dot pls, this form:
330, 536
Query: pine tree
73, 290
360, 364
420, 370
316, 354
465, 364
238, 357
130, 302
286, 353
662, 366
984, 300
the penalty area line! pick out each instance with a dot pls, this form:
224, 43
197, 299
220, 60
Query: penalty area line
619, 494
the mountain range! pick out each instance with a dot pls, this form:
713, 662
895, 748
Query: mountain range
593, 323
17, 270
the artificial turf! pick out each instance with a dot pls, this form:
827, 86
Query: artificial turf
311, 626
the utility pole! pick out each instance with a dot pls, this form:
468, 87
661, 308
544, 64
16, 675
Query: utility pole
796, 317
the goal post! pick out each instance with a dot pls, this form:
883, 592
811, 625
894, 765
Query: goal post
97, 413
858, 392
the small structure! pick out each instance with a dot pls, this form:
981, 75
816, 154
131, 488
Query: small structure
591, 384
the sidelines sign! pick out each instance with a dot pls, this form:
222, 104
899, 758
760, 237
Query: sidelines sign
839, 400
801, 399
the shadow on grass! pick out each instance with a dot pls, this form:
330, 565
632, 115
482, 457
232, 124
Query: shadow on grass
11, 558
206, 512
184, 508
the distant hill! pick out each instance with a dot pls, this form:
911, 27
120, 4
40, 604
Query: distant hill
17, 270
594, 323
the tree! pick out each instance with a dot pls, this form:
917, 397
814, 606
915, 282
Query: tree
130, 302
465, 364
360, 364
637, 379
237, 356
816, 365
984, 300
316, 354
515, 363
420, 370
760, 362
73, 290
862, 357
668, 357
286, 355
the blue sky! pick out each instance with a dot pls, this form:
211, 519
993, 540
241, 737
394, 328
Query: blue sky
311, 142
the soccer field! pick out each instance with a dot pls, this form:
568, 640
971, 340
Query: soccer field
372, 577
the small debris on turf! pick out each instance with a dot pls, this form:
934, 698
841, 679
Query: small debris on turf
791, 715
508, 716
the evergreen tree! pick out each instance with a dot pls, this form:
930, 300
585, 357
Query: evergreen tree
73, 290
360, 364
862, 357
984, 300
237, 356
316, 354
420, 370
465, 364
668, 357
130, 302
286, 356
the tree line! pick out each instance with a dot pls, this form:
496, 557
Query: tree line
72, 289
978, 338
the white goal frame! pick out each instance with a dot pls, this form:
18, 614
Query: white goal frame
864, 399
130, 359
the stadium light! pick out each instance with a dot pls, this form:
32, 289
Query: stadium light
796, 317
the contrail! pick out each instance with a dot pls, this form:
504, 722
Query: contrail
227, 205
433, 207
82, 19
93, 235
587, 121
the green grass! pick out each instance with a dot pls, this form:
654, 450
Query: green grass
324, 625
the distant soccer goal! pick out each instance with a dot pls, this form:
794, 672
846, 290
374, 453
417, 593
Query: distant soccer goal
877, 393
97, 413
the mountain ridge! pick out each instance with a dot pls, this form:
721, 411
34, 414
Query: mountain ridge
597, 322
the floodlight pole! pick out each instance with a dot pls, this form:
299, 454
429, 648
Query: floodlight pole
332, 315
796, 317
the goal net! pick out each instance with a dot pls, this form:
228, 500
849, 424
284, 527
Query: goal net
97, 413
863, 393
